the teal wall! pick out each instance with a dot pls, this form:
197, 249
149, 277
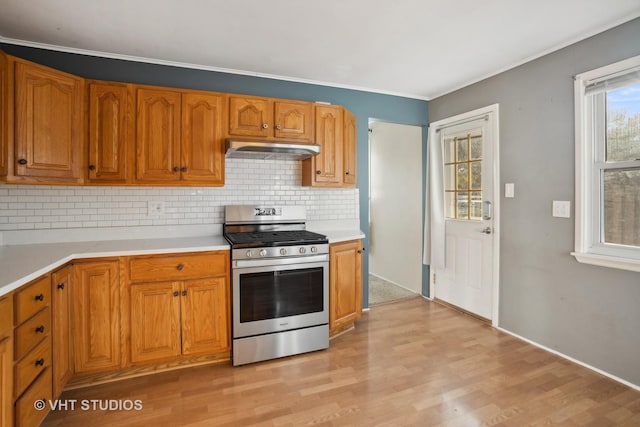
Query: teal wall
364, 105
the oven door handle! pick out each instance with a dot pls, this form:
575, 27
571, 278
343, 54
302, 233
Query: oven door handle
245, 263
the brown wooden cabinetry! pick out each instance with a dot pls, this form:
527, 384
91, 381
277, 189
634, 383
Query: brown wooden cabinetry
345, 283
49, 125
61, 328
172, 312
111, 126
6, 111
32, 350
6, 361
95, 301
269, 118
326, 168
350, 159
179, 137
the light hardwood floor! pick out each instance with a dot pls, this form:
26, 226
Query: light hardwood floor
413, 362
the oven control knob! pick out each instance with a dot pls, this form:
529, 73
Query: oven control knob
263, 252
303, 250
314, 249
249, 254
283, 251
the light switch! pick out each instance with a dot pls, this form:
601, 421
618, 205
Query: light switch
509, 190
561, 209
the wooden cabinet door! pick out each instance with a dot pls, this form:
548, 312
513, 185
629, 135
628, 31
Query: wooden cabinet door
110, 132
155, 321
250, 116
158, 135
49, 129
95, 298
350, 148
61, 328
6, 109
328, 165
293, 120
6, 361
205, 317
202, 138
345, 282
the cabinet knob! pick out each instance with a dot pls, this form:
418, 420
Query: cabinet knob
40, 297
318, 172
60, 286
179, 267
346, 173
278, 126
183, 169
92, 167
22, 161
265, 126
40, 362
359, 251
184, 293
40, 329
176, 169
176, 293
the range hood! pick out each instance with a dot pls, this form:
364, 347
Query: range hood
252, 149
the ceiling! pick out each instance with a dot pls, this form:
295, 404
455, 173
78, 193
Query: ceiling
416, 48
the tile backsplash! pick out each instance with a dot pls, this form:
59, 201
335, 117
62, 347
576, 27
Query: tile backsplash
248, 181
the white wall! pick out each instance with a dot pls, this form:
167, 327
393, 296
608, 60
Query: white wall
248, 181
395, 240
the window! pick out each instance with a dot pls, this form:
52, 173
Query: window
463, 176
607, 104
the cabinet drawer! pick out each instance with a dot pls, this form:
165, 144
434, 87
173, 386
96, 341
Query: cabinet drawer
26, 414
31, 366
32, 299
6, 314
178, 267
32, 332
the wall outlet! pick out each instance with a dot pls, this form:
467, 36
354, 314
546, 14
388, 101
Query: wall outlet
155, 208
561, 209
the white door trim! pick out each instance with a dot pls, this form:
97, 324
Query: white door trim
492, 112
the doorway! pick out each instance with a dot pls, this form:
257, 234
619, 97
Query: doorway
395, 211
465, 194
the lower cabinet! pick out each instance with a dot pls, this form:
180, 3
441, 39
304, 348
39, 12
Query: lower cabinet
62, 365
95, 301
6, 361
188, 317
345, 284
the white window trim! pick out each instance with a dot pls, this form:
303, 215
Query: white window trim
588, 248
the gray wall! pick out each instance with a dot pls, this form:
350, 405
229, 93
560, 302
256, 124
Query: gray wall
364, 105
589, 313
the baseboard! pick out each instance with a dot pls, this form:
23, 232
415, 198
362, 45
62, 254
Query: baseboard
571, 359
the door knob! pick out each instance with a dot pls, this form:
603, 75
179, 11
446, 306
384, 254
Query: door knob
486, 230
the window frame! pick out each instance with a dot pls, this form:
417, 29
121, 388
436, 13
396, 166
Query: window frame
590, 161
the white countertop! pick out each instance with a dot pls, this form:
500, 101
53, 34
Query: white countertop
20, 264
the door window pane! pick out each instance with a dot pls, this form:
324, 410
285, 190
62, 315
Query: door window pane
476, 176
476, 205
476, 148
463, 205
621, 206
462, 150
462, 177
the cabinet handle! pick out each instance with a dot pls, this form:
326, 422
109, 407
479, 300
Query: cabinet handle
40, 297
265, 126
176, 169
22, 161
179, 267
318, 172
278, 126
60, 286
40, 362
184, 293
183, 169
346, 173
40, 329
176, 293
92, 167
359, 251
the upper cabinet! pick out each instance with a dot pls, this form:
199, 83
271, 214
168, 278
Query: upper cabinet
49, 125
6, 112
111, 120
270, 118
179, 137
350, 158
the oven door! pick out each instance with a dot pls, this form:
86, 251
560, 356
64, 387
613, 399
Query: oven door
273, 295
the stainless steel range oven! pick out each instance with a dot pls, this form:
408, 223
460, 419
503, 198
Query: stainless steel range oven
280, 283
